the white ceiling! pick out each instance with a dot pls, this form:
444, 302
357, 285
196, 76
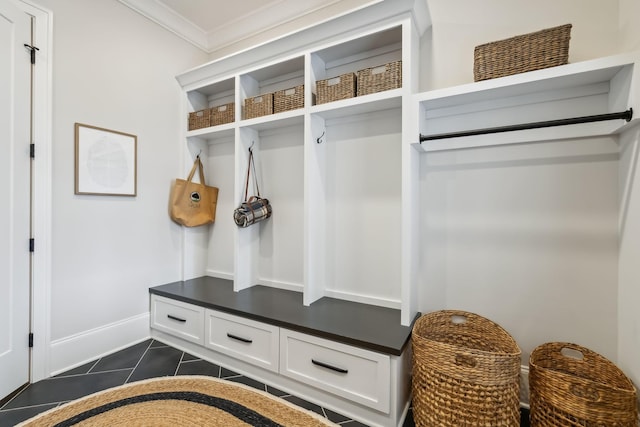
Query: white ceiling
222, 27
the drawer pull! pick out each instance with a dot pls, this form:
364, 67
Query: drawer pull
235, 337
176, 318
326, 365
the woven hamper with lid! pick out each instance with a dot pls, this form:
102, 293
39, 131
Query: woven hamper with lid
571, 385
519, 54
466, 371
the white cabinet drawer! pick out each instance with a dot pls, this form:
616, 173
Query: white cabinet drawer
359, 375
178, 318
253, 342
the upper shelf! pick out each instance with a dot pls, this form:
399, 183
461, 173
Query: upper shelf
582, 89
380, 101
362, 51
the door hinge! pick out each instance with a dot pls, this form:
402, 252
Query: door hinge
32, 244
32, 151
32, 49
30, 339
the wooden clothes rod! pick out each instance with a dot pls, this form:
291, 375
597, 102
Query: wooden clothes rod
626, 115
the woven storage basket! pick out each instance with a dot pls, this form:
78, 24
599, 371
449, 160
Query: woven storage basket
223, 114
336, 88
288, 99
377, 79
571, 391
257, 106
200, 119
466, 371
527, 52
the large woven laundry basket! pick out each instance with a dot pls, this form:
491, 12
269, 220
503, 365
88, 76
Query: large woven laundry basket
466, 371
571, 385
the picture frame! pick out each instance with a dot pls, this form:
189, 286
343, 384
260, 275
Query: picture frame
105, 161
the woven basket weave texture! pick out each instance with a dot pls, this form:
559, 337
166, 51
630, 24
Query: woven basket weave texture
336, 88
258, 106
223, 114
380, 78
288, 99
587, 390
519, 54
466, 371
200, 119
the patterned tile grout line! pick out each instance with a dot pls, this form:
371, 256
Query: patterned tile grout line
139, 360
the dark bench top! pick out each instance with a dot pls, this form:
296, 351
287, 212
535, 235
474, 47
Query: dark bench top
362, 325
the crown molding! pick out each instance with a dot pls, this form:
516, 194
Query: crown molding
278, 19
166, 17
275, 19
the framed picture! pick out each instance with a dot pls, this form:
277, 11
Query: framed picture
106, 162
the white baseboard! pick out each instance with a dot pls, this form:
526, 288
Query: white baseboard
280, 284
76, 350
219, 274
363, 299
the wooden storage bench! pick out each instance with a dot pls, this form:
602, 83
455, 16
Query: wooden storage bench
352, 357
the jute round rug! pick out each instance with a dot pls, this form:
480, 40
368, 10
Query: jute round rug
179, 401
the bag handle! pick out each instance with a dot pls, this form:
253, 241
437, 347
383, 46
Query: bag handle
250, 166
197, 164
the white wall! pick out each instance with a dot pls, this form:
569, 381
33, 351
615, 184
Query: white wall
115, 69
629, 274
447, 49
629, 28
525, 235
528, 235
112, 69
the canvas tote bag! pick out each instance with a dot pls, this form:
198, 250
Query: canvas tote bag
193, 204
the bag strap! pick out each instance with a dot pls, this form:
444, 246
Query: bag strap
197, 164
251, 166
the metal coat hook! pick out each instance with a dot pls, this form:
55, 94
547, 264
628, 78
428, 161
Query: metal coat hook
251, 147
32, 50
198, 156
319, 139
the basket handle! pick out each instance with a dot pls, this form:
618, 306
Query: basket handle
465, 360
576, 353
458, 318
579, 354
572, 352
585, 392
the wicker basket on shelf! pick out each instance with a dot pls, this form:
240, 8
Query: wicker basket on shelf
527, 52
288, 99
223, 114
258, 106
380, 78
573, 386
336, 88
200, 119
466, 371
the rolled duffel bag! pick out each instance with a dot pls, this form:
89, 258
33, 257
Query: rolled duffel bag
253, 210
466, 372
571, 385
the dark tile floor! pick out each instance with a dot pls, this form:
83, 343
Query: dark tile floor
148, 359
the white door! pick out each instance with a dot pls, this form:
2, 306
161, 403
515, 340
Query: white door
15, 197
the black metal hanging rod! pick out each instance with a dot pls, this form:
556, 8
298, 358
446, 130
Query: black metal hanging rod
626, 115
